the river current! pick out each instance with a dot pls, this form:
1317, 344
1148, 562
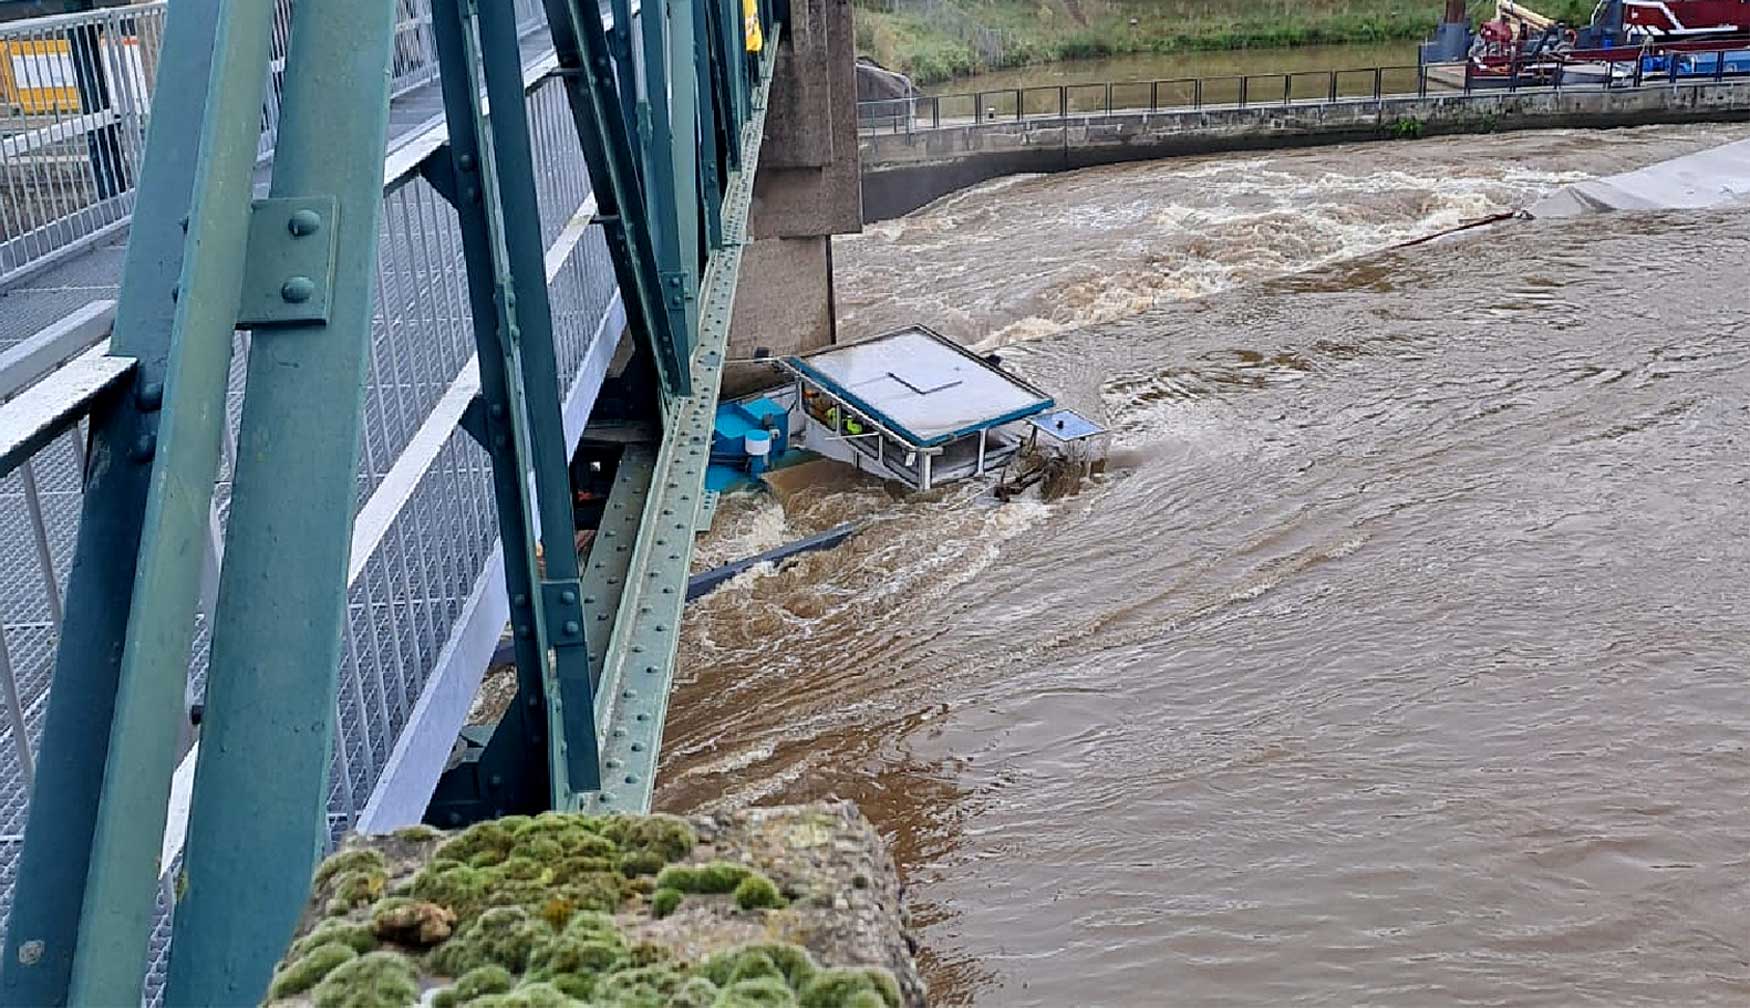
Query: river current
1398, 659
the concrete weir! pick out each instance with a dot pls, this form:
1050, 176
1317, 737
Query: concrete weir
1709, 178
906, 170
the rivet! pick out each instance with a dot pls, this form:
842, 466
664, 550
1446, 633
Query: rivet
651, 668
568, 597
150, 396
31, 952
572, 628
521, 600
631, 779
465, 162
144, 448
496, 409
637, 747
304, 223
523, 632
628, 694
298, 289
589, 600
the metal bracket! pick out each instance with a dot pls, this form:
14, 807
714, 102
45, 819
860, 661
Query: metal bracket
289, 270
439, 170
473, 421
562, 607
674, 290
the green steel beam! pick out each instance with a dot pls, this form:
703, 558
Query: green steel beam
638, 672
122, 881
497, 425
587, 65
659, 112
684, 80
527, 320
41, 935
258, 821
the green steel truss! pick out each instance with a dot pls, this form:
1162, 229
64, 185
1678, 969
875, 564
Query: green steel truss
669, 110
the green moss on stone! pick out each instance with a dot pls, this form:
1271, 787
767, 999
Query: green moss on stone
792, 961
664, 902
475, 840
641, 862
535, 995
836, 988
667, 837
472, 984
570, 954
716, 878
378, 980
756, 892
357, 888
357, 937
342, 862
764, 992
697, 992
645, 984
457, 887
578, 985
492, 857
502, 936
308, 969
418, 833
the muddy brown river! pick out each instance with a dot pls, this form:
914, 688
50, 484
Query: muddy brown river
1398, 660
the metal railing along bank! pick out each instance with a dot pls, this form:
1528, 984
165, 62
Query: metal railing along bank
1278, 90
75, 98
425, 577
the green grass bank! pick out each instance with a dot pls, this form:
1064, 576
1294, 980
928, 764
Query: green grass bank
933, 41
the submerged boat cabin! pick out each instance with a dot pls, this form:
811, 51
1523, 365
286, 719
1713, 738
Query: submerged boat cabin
910, 406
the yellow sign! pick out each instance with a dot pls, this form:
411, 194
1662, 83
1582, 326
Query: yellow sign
750, 15
36, 75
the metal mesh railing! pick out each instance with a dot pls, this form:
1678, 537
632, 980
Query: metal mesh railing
427, 482
75, 98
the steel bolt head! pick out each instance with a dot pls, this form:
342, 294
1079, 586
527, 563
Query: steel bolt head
298, 289
144, 448
304, 223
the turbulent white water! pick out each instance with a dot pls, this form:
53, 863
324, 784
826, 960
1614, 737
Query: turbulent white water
1398, 659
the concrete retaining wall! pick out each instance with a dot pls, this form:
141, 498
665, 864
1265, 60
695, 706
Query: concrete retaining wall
904, 171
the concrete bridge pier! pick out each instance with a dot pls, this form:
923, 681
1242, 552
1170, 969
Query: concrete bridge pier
807, 190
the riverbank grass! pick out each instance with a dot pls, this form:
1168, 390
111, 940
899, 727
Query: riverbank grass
932, 46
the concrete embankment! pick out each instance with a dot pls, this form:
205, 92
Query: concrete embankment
903, 171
